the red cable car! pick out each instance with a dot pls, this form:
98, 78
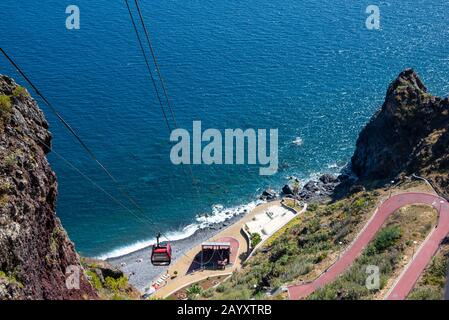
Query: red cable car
161, 254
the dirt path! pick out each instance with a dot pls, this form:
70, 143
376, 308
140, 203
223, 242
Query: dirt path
412, 272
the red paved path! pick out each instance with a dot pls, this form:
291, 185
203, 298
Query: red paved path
422, 257
234, 247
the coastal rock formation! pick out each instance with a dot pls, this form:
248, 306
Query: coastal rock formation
269, 195
35, 250
321, 189
409, 134
287, 190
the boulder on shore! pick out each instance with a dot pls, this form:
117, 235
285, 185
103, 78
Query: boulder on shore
287, 189
319, 189
269, 195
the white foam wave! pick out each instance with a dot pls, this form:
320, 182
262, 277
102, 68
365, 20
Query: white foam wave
172, 236
298, 141
218, 214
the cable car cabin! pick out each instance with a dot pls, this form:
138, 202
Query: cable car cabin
161, 254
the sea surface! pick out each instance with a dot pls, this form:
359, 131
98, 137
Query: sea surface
308, 68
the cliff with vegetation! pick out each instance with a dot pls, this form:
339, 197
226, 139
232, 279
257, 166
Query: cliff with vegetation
35, 251
408, 135
37, 259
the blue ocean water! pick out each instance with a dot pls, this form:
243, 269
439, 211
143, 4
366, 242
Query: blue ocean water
309, 68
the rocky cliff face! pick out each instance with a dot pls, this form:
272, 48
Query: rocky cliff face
409, 134
34, 248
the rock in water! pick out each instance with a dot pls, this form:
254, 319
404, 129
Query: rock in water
328, 178
35, 251
269, 195
287, 189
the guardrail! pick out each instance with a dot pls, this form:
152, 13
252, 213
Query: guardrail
414, 175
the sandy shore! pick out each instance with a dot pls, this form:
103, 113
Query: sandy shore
137, 266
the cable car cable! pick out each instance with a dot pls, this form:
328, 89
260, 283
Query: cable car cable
161, 79
83, 144
147, 65
86, 177
147, 36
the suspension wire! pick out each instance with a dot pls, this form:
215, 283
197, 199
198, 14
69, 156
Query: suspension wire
85, 147
159, 76
86, 177
161, 79
158, 72
73, 132
148, 66
164, 88
153, 55
96, 185
88, 150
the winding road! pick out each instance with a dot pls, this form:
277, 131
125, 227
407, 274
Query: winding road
412, 271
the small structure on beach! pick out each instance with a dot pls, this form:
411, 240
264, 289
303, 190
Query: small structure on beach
215, 254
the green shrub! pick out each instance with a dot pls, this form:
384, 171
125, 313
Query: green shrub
5, 186
4, 200
238, 293
255, 239
386, 238
94, 280
5, 106
117, 296
221, 288
116, 285
359, 204
207, 293
10, 161
436, 273
11, 279
296, 269
314, 225
20, 92
426, 293
194, 291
